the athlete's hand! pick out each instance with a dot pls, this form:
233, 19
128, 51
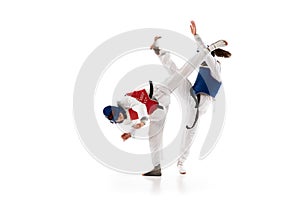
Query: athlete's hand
139, 125
193, 28
125, 136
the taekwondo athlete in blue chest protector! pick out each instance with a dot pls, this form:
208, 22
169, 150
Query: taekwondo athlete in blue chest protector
202, 93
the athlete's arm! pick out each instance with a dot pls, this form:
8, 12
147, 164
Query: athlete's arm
214, 67
199, 41
139, 125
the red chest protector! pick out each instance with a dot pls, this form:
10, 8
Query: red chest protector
143, 97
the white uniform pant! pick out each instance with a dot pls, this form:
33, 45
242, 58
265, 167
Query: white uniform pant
188, 134
157, 121
187, 99
177, 79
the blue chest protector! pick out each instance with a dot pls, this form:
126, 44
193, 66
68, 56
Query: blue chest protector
206, 83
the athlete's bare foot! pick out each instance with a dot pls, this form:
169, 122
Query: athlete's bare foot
154, 45
217, 44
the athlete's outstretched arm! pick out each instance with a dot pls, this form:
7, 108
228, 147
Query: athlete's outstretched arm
198, 39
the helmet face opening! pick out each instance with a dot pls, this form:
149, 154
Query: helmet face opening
111, 118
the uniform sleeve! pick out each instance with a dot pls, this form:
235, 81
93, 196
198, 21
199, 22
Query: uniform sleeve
214, 66
128, 127
142, 112
199, 41
212, 63
132, 132
128, 102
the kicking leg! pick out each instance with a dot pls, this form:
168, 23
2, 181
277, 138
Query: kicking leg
164, 56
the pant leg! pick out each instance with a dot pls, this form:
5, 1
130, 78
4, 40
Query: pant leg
157, 121
172, 82
189, 134
161, 92
167, 62
186, 98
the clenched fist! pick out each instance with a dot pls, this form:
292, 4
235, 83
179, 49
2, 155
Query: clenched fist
125, 136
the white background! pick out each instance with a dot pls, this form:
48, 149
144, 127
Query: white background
42, 47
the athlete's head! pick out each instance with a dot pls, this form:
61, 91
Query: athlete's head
221, 53
114, 114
